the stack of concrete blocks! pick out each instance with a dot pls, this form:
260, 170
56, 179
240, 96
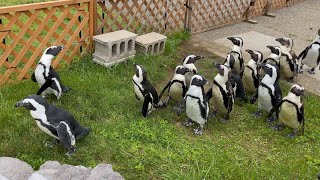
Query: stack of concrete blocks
114, 48
152, 43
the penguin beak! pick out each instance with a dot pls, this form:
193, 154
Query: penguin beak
19, 104
261, 65
249, 51
231, 38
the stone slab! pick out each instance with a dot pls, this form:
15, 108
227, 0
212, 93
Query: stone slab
111, 63
115, 36
150, 38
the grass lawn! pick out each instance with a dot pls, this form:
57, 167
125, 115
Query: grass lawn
158, 146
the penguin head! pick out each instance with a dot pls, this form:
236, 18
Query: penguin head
256, 56
286, 42
140, 72
276, 50
32, 102
191, 59
198, 80
297, 89
182, 70
230, 61
270, 69
53, 50
223, 70
237, 41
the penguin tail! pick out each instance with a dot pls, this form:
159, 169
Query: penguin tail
33, 77
65, 89
84, 132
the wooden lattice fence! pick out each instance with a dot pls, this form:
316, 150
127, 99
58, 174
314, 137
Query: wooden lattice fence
26, 30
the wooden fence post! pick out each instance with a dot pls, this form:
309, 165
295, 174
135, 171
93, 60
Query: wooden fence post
188, 15
92, 20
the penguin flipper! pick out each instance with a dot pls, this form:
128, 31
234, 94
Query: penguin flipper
164, 89
146, 102
301, 117
66, 137
44, 86
303, 54
254, 97
33, 77
275, 108
209, 94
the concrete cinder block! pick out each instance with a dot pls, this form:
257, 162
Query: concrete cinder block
114, 47
152, 43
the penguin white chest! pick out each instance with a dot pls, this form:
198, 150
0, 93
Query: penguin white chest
138, 92
39, 75
193, 110
264, 99
288, 115
312, 56
218, 101
43, 118
176, 91
248, 80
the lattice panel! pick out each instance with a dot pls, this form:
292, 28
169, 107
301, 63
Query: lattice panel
140, 16
207, 14
260, 5
25, 34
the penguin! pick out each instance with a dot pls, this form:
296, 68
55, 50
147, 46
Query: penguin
290, 111
145, 91
269, 93
250, 76
274, 57
188, 62
196, 101
57, 123
235, 78
47, 78
288, 61
310, 56
222, 92
177, 87
237, 53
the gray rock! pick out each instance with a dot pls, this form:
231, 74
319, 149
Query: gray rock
73, 172
3, 178
104, 171
50, 165
36, 176
13, 168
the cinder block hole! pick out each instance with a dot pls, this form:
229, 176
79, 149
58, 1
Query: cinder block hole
150, 48
114, 50
156, 46
122, 47
161, 46
130, 45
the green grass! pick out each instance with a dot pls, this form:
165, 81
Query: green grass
158, 147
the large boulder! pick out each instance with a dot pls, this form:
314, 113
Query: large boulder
104, 171
12, 168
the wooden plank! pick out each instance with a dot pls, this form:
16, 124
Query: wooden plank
42, 5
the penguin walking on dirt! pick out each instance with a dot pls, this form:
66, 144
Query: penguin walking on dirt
188, 62
222, 92
197, 107
177, 87
310, 56
56, 122
288, 61
47, 78
269, 93
235, 78
237, 53
145, 91
290, 111
250, 76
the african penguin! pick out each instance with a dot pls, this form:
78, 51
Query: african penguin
236, 52
56, 122
235, 78
250, 76
144, 91
222, 92
188, 62
290, 111
310, 56
47, 78
274, 57
197, 107
177, 87
288, 61
269, 92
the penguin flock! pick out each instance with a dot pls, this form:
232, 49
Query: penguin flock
56, 122
256, 80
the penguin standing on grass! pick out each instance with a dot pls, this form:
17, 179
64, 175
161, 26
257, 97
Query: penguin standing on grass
222, 92
237, 53
250, 76
56, 122
310, 56
290, 111
269, 92
274, 57
188, 62
47, 78
197, 107
177, 87
288, 61
144, 91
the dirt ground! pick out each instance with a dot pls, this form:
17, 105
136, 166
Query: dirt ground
204, 48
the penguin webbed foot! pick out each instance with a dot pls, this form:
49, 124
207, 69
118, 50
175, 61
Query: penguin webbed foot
293, 134
225, 119
179, 108
50, 144
290, 80
198, 130
70, 152
213, 114
188, 123
311, 71
271, 119
300, 71
278, 127
257, 114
